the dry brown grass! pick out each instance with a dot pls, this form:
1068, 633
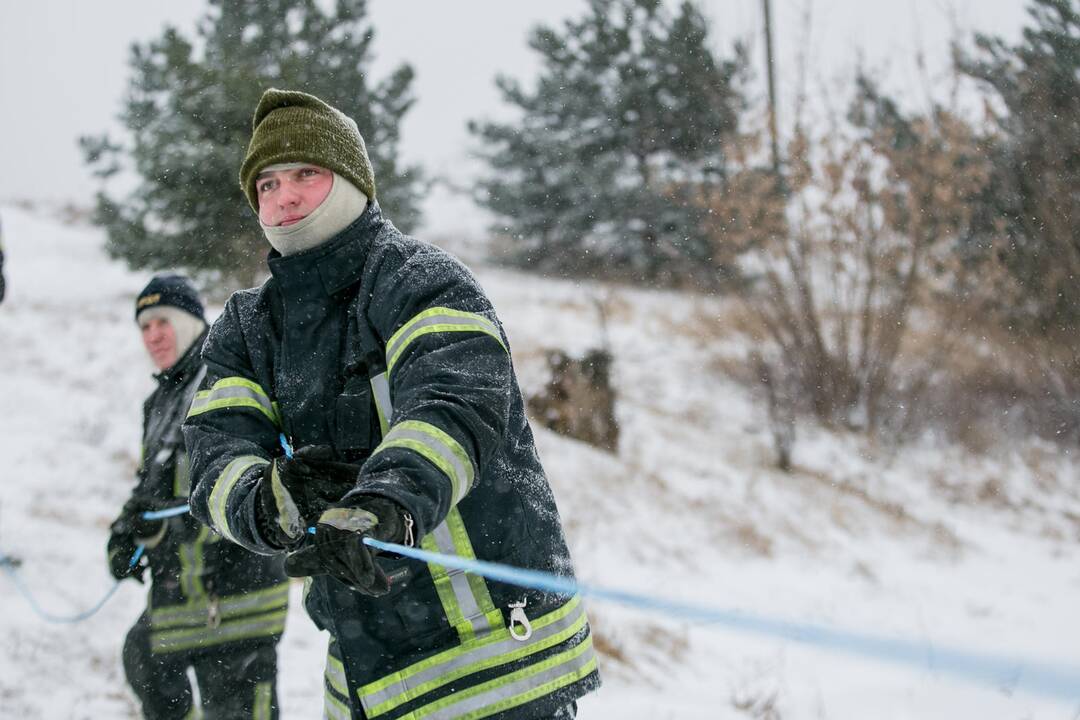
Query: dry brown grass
654, 646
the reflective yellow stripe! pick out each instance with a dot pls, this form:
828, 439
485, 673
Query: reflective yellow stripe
335, 675
380, 390
235, 392
439, 448
464, 596
223, 486
191, 566
335, 709
229, 631
496, 648
264, 694
182, 476
515, 689
230, 606
433, 320
336, 690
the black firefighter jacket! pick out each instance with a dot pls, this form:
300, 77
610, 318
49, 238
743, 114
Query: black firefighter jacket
387, 349
205, 593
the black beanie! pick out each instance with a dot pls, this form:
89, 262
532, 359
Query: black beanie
174, 290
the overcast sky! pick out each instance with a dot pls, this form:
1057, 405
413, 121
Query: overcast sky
63, 68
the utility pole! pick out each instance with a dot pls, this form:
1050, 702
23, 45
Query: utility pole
770, 74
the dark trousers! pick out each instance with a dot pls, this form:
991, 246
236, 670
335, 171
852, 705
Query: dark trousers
234, 682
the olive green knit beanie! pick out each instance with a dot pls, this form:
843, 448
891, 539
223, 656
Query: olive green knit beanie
291, 126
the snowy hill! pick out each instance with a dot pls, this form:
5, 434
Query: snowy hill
932, 544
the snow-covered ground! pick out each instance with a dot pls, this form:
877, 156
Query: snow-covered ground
931, 544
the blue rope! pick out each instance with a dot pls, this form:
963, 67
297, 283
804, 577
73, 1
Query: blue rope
996, 670
999, 671
166, 513
8, 565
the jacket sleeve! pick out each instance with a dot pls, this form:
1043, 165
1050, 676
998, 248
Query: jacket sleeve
231, 433
450, 387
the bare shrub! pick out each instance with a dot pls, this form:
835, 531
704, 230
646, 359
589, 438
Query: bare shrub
579, 400
874, 211
1005, 385
779, 395
759, 707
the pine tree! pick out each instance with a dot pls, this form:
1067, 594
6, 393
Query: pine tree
1034, 196
188, 110
625, 125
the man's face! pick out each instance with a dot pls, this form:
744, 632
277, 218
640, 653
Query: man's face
159, 338
288, 196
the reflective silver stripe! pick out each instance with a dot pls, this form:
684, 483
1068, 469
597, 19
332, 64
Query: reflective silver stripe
380, 388
412, 683
516, 688
335, 678
230, 606
335, 675
223, 486
467, 602
172, 640
234, 392
191, 566
437, 319
460, 589
264, 694
182, 476
334, 708
437, 446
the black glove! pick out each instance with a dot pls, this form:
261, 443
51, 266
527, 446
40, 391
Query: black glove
147, 532
337, 548
295, 491
121, 550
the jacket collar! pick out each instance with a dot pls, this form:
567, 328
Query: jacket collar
185, 366
333, 266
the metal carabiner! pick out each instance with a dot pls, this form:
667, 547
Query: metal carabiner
213, 613
518, 617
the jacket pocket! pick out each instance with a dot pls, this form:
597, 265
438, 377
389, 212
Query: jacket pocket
353, 417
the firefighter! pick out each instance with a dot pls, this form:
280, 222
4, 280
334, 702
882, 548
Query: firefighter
213, 606
381, 362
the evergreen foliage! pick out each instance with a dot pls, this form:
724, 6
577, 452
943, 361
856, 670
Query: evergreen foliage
188, 110
1034, 196
625, 126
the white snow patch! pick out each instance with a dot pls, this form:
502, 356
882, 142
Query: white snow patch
933, 545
